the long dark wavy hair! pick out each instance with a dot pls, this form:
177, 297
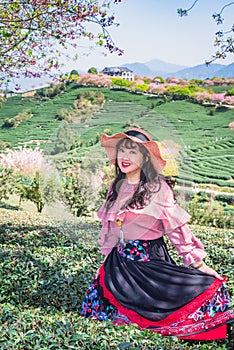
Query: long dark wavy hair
150, 180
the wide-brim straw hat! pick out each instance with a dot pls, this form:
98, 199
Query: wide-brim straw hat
137, 135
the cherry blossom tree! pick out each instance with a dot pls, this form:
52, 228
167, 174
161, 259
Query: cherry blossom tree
219, 98
203, 96
100, 80
33, 34
224, 39
229, 100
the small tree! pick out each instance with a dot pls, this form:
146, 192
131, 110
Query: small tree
93, 70
74, 72
62, 140
75, 194
39, 189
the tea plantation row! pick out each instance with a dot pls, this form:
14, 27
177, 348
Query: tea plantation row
45, 269
206, 142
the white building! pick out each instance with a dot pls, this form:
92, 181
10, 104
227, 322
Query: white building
119, 72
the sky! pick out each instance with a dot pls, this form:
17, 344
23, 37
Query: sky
151, 29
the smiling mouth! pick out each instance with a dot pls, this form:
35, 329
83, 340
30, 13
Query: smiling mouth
125, 164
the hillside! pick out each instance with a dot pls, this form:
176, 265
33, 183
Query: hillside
204, 138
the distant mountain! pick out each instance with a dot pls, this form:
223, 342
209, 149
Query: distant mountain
202, 71
163, 67
226, 71
140, 69
152, 68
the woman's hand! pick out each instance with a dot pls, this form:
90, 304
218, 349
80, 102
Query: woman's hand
206, 269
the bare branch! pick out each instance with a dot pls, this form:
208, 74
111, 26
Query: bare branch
222, 40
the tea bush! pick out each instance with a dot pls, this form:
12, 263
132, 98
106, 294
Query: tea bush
45, 269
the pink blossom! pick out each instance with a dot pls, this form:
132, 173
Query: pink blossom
160, 89
231, 125
90, 79
202, 96
217, 97
173, 80
208, 82
139, 82
218, 81
24, 160
184, 82
228, 100
152, 87
157, 81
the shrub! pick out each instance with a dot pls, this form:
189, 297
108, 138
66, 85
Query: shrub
9, 123
189, 90
75, 194
230, 92
4, 145
121, 82
6, 182
141, 87
225, 198
209, 213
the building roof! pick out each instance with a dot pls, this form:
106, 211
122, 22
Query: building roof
116, 70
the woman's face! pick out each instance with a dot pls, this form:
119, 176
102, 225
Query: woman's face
129, 158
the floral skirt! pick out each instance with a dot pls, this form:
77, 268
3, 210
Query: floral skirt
139, 283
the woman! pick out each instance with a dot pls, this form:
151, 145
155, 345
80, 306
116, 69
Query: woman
138, 281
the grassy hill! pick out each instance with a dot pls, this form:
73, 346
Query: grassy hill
207, 145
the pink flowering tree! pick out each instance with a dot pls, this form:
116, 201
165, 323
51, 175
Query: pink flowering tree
152, 87
229, 100
172, 80
208, 82
33, 33
184, 82
218, 81
100, 80
35, 178
218, 98
25, 160
157, 89
161, 89
202, 97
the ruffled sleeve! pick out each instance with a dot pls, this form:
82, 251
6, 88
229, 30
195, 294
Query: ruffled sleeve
174, 220
163, 207
189, 247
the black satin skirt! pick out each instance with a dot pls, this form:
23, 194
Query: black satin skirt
140, 283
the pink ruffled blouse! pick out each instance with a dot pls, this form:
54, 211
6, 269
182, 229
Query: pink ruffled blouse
161, 216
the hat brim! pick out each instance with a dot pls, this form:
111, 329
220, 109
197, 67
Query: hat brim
110, 142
